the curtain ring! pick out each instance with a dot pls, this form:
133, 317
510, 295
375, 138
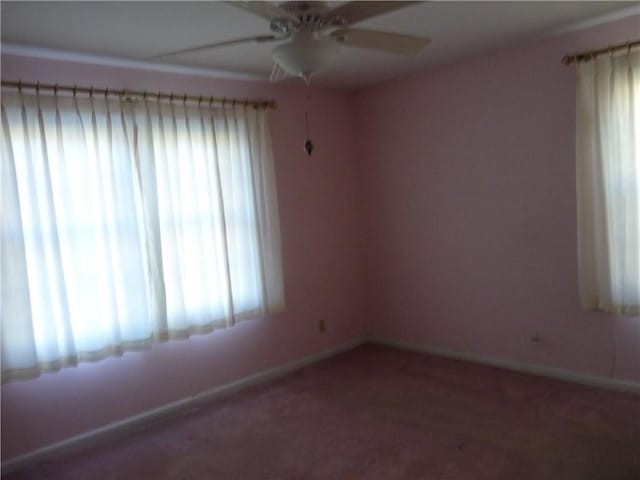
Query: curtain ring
38, 88
19, 86
628, 48
55, 89
144, 95
171, 97
91, 92
224, 101
106, 92
210, 101
199, 100
610, 52
234, 102
246, 102
75, 90
184, 99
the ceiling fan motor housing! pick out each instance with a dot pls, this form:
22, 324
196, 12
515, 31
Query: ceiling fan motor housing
310, 16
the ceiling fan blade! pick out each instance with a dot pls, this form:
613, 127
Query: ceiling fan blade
383, 41
265, 10
352, 12
226, 43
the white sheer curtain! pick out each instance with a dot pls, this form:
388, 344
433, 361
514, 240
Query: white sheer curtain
127, 222
608, 183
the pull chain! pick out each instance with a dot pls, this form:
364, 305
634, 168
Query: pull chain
308, 145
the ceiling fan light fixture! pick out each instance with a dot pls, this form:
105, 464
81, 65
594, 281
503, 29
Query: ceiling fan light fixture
307, 53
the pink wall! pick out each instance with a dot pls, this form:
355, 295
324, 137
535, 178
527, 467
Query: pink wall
322, 270
469, 186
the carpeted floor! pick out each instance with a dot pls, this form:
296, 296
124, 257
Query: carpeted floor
380, 413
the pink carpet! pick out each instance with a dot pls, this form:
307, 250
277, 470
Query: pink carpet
381, 413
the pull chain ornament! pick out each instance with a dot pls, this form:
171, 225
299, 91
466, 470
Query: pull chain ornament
308, 145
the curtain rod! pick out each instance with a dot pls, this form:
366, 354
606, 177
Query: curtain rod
183, 97
582, 57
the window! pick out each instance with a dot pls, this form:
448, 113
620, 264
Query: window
125, 222
608, 183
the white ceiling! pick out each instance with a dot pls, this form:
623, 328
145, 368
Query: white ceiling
140, 30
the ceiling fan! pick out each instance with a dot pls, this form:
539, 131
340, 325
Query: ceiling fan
314, 31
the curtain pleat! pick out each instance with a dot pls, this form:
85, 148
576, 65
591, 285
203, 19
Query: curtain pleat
18, 350
125, 222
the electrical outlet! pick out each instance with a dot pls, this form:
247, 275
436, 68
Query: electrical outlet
536, 338
322, 326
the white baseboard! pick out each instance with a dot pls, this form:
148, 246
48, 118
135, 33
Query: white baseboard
138, 422
551, 372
